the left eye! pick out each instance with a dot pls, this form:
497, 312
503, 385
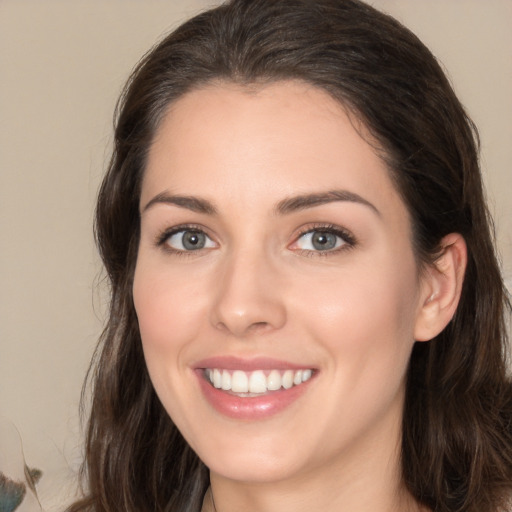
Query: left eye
318, 240
189, 240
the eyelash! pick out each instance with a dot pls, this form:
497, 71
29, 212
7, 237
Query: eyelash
349, 241
162, 238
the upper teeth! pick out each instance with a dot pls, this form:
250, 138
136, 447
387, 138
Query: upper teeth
258, 381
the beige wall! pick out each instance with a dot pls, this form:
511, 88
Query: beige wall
62, 66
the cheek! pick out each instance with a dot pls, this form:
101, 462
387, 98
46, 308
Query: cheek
364, 317
365, 324
166, 305
169, 311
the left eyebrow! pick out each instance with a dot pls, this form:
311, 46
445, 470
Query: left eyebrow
302, 202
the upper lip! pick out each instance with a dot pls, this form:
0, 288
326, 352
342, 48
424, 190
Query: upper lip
248, 365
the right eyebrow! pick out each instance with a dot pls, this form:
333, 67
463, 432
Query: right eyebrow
194, 204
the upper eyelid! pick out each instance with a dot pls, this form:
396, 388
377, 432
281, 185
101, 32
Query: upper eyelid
164, 234
162, 242
338, 230
330, 228
347, 236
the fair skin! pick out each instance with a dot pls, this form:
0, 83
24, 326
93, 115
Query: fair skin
272, 238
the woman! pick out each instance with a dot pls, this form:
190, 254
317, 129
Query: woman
307, 312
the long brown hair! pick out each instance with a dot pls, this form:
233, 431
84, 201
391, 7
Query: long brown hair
457, 421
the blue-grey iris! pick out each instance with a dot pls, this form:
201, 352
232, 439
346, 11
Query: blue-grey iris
193, 240
323, 240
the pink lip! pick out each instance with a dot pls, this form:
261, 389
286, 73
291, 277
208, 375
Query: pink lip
247, 365
249, 408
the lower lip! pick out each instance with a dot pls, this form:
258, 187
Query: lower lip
250, 408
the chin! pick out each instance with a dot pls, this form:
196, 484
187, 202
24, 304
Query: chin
253, 460
260, 471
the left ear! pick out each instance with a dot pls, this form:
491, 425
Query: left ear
441, 288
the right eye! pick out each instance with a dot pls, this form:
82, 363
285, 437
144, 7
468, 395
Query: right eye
189, 240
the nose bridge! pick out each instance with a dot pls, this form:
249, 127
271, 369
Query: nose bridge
248, 298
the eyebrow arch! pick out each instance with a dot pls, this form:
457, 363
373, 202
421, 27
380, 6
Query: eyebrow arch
194, 204
303, 202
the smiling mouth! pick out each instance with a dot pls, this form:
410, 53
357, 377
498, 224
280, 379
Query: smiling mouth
255, 383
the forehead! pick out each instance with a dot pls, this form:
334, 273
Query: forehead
242, 143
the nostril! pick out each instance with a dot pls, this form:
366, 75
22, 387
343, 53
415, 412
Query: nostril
221, 326
239, 330
258, 326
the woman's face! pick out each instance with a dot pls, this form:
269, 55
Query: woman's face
276, 287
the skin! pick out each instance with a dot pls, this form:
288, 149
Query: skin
259, 288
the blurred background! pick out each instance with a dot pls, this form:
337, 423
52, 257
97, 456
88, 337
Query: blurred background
62, 66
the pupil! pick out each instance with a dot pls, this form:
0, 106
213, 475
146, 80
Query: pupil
323, 240
193, 240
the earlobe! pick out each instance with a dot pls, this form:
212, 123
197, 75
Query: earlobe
441, 288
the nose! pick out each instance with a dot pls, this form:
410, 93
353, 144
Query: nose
248, 298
